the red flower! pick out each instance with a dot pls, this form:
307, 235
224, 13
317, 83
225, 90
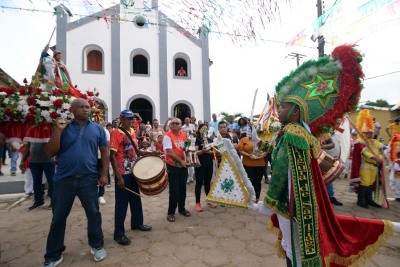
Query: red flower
30, 89
76, 86
32, 110
9, 91
57, 103
31, 101
38, 90
25, 80
8, 112
22, 90
57, 92
54, 115
91, 103
30, 117
90, 93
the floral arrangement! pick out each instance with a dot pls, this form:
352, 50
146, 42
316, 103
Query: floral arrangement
29, 103
27, 111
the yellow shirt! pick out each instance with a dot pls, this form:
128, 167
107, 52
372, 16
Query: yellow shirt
394, 128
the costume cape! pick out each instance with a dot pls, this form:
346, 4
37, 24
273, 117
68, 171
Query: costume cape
326, 239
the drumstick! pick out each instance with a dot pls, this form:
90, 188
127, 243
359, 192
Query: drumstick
133, 192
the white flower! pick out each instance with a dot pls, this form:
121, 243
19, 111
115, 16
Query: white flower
45, 114
64, 115
19, 108
66, 106
53, 98
22, 102
6, 100
3, 93
45, 103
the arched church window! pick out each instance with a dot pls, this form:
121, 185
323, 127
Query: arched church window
140, 65
94, 61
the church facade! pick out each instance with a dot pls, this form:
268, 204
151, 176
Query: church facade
142, 61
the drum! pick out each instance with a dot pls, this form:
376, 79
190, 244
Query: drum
150, 174
331, 168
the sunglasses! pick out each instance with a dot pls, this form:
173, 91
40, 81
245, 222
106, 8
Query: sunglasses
175, 123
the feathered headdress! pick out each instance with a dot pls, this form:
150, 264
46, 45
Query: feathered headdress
325, 89
365, 122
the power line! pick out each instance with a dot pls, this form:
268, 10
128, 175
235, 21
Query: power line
110, 18
389, 73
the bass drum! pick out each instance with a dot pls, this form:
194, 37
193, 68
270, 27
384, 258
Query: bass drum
150, 174
331, 168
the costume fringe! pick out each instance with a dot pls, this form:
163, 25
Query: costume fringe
365, 255
297, 136
280, 252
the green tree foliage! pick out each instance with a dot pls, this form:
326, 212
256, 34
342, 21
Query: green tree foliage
225, 116
378, 103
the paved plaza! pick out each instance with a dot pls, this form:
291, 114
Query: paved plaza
223, 236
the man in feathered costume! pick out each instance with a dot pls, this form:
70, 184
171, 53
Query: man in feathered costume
311, 99
367, 157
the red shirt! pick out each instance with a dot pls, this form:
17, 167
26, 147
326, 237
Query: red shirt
126, 154
176, 143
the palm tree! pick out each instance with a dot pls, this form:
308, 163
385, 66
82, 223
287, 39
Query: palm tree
225, 116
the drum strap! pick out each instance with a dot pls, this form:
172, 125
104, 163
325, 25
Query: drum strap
130, 139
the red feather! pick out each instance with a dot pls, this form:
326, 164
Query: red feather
350, 88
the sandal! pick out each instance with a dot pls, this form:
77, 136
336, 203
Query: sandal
185, 213
171, 218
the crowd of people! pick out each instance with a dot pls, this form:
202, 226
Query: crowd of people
120, 144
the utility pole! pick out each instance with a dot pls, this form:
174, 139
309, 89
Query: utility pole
321, 40
297, 56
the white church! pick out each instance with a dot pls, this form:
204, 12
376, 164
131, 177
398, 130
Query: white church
142, 61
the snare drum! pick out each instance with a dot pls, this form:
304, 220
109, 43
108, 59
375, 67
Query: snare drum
331, 168
150, 174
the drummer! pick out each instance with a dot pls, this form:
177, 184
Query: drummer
123, 153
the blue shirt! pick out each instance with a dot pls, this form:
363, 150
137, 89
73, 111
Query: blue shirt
78, 149
232, 126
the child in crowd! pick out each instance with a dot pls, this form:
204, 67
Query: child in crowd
158, 146
145, 146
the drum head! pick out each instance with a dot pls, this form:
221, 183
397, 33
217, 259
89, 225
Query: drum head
148, 167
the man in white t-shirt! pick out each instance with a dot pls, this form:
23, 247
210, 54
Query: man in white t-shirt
187, 127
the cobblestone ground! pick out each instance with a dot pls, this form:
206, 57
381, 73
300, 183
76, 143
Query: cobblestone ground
215, 237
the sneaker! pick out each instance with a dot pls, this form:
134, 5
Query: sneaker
108, 185
142, 227
35, 206
198, 207
123, 240
99, 253
13, 174
102, 200
52, 263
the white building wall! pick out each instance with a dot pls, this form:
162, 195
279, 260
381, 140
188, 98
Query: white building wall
132, 38
92, 33
190, 90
